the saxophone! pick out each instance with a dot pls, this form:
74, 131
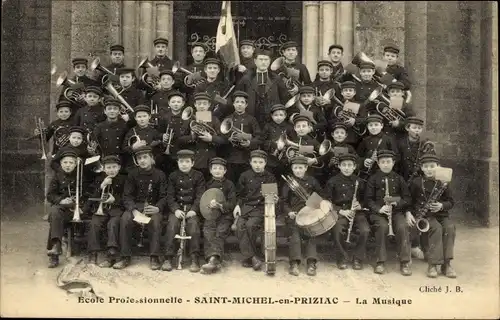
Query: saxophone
421, 221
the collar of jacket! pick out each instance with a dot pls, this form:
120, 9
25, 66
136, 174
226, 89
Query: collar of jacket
144, 172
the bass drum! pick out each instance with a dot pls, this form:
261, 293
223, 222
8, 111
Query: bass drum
315, 222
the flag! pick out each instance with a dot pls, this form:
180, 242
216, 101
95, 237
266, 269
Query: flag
225, 41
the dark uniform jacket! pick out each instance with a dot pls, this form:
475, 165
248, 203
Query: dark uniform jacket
162, 62
110, 136
248, 124
135, 192
181, 132
321, 124
248, 191
116, 189
304, 77
409, 152
291, 201
228, 189
363, 91
400, 74
398, 131
359, 121
217, 87
60, 186
89, 117
263, 96
270, 135
86, 82
420, 190
114, 66
59, 130
133, 96
330, 168
321, 88
375, 192
185, 189
160, 99
204, 151
340, 191
81, 151
371, 143
149, 134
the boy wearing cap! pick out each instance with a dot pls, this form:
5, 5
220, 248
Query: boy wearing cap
80, 72
290, 52
61, 189
384, 183
110, 184
198, 53
58, 129
117, 57
110, 133
441, 234
372, 144
273, 138
264, 88
240, 144
144, 193
339, 135
302, 138
348, 92
367, 84
307, 96
161, 60
322, 84
146, 133
90, 115
391, 54
247, 50
216, 86
159, 99
184, 191
396, 128
340, 190
250, 207
129, 91
217, 230
76, 142
204, 146
335, 53
292, 204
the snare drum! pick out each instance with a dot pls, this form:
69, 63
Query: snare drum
315, 222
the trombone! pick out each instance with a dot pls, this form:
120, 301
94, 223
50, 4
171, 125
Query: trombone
154, 78
40, 125
78, 191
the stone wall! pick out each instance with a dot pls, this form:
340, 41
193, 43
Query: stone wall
26, 42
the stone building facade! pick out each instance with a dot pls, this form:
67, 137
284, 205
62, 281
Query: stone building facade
450, 49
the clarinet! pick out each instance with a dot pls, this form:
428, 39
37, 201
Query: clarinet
351, 221
182, 238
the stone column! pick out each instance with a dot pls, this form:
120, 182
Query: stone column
487, 207
416, 52
129, 33
180, 36
345, 31
311, 36
145, 28
329, 14
164, 22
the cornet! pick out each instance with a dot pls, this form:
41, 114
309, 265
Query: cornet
237, 135
40, 125
106, 191
154, 78
391, 114
344, 115
170, 133
199, 128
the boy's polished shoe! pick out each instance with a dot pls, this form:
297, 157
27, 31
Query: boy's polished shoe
432, 271
122, 264
405, 269
380, 268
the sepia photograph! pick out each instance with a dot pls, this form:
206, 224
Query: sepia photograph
249, 159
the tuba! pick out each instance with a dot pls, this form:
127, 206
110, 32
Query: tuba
96, 65
237, 136
289, 75
73, 92
154, 76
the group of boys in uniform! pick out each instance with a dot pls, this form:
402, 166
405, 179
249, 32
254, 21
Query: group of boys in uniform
158, 160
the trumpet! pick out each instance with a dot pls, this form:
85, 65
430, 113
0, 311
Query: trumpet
170, 133
192, 79
154, 78
40, 125
73, 92
237, 135
78, 191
